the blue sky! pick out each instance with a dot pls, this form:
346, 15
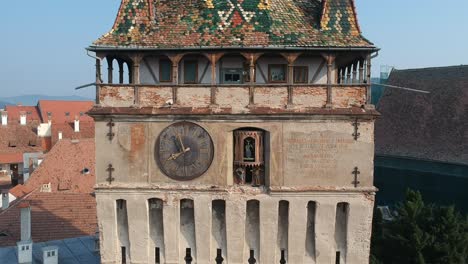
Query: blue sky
43, 41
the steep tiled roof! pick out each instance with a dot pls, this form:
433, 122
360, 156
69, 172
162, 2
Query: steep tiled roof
32, 114
63, 167
53, 216
426, 126
16, 139
68, 131
69, 210
64, 111
235, 23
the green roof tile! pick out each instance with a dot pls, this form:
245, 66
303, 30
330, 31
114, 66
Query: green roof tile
233, 23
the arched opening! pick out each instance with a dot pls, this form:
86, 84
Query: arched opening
218, 228
187, 230
250, 153
156, 228
233, 68
122, 230
310, 69
194, 68
156, 70
341, 230
283, 231
252, 230
310, 233
271, 68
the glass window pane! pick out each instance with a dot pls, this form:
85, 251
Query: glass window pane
236, 77
277, 73
165, 70
190, 72
301, 74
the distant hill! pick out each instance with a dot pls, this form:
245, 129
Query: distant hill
2, 104
32, 99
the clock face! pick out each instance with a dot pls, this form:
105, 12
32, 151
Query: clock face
184, 151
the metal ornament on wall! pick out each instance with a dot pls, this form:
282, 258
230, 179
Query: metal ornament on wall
356, 133
111, 133
249, 156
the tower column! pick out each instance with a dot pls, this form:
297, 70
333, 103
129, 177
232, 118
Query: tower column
110, 69
297, 230
268, 230
138, 230
330, 59
203, 223
325, 232
235, 229
171, 220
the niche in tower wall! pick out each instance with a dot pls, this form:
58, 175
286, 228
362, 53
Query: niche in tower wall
249, 165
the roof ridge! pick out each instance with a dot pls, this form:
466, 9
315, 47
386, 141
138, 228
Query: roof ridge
432, 68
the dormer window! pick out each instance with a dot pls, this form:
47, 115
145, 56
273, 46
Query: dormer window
277, 73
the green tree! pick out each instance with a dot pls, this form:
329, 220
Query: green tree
421, 234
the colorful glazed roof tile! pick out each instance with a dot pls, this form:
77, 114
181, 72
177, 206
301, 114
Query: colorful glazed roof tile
176, 24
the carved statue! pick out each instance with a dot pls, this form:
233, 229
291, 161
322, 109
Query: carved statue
257, 176
240, 175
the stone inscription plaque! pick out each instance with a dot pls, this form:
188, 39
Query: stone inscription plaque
323, 155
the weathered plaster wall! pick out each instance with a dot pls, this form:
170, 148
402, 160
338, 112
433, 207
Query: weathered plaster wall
241, 225
232, 96
320, 153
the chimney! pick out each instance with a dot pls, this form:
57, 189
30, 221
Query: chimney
60, 135
24, 252
4, 118
77, 124
5, 199
25, 246
23, 118
50, 255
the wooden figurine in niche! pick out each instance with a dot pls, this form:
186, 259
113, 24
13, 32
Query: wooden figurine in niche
249, 157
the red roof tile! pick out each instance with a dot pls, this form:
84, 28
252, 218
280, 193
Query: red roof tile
32, 113
16, 139
54, 216
68, 131
430, 126
63, 166
70, 209
59, 110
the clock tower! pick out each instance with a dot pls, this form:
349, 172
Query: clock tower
234, 132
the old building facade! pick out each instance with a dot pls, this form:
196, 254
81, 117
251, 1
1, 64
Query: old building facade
234, 132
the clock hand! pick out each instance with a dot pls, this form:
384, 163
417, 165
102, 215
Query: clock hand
177, 155
181, 142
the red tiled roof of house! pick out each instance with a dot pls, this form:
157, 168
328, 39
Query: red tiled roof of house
16, 139
69, 210
63, 167
65, 111
54, 216
68, 131
430, 126
19, 191
32, 113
